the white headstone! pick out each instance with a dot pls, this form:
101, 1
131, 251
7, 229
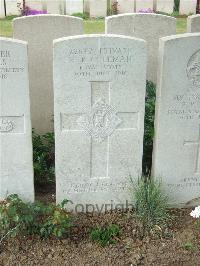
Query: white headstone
142, 5
177, 127
74, 6
12, 7
187, 7
2, 10
86, 6
55, 6
35, 4
126, 6
16, 175
99, 88
98, 8
193, 23
166, 6
39, 32
149, 27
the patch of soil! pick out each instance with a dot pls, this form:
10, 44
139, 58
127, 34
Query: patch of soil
179, 244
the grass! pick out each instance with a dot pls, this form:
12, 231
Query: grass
181, 25
94, 26
90, 26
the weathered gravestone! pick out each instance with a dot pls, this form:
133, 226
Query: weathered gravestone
99, 86
193, 23
125, 6
98, 8
166, 6
16, 175
149, 27
187, 7
2, 10
142, 5
177, 139
74, 6
40, 31
54, 6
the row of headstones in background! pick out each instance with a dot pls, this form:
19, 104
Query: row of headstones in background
150, 27
128, 6
98, 8
99, 84
46, 28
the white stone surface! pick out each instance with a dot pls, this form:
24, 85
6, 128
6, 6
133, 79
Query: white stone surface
193, 23
126, 6
187, 7
149, 27
144, 4
177, 126
35, 4
2, 11
99, 88
44, 29
11, 7
86, 6
74, 6
55, 6
166, 6
98, 8
16, 164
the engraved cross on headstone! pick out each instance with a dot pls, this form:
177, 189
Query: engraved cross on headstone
196, 143
100, 123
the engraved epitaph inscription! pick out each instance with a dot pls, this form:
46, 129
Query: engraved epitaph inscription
12, 124
7, 67
197, 145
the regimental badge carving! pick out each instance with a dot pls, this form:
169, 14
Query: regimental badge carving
100, 122
6, 125
193, 69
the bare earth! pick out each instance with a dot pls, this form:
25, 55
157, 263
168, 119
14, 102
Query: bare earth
180, 246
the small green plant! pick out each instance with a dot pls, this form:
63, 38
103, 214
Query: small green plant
188, 246
45, 220
150, 205
149, 126
105, 236
84, 15
44, 158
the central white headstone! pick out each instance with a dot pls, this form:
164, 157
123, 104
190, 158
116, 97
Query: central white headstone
16, 164
99, 87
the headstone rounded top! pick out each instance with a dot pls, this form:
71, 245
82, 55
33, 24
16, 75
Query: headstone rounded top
46, 16
180, 36
98, 36
12, 40
142, 15
194, 16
